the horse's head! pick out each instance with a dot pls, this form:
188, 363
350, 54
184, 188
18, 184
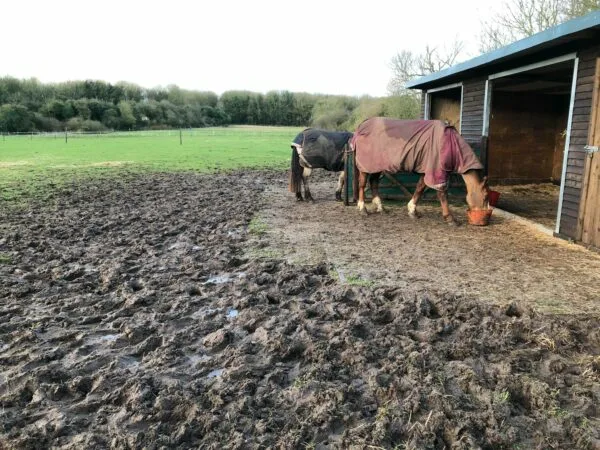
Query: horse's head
477, 198
477, 192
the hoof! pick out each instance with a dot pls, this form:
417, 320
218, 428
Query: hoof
299, 199
363, 212
450, 221
414, 215
338, 196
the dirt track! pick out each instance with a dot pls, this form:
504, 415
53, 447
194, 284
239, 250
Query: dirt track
149, 313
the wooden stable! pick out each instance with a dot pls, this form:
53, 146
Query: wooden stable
531, 110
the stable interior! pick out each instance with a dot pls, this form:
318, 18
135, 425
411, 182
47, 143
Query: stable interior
445, 105
527, 132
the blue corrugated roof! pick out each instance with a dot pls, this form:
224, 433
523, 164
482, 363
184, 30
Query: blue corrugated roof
572, 27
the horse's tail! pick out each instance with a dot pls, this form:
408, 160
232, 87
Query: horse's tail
296, 172
355, 174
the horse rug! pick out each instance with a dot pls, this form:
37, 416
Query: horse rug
427, 147
322, 149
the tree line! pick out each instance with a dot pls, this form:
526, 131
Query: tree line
90, 105
513, 20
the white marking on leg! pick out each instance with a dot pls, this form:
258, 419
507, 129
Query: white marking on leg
412, 207
360, 205
340, 183
378, 204
306, 174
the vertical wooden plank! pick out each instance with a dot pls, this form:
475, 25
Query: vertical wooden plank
591, 221
593, 205
589, 211
583, 202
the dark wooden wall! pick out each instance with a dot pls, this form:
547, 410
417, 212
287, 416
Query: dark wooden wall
582, 109
473, 105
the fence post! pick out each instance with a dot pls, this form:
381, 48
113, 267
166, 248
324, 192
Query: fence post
180, 138
66, 135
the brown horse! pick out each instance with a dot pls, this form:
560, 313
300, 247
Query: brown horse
430, 148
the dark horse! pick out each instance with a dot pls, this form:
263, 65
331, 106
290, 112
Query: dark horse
318, 149
427, 147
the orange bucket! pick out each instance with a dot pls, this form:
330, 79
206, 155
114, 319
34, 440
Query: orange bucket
493, 197
479, 217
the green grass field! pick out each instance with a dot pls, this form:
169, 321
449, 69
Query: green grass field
29, 165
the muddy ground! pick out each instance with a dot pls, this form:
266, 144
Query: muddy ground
165, 311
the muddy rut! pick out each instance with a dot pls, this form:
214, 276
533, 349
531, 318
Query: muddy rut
152, 312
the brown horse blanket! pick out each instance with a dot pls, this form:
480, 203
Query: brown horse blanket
427, 147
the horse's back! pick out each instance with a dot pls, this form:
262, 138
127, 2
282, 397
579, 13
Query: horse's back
323, 149
429, 147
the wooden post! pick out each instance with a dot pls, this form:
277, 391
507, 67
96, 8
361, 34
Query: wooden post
587, 231
483, 155
180, 138
66, 138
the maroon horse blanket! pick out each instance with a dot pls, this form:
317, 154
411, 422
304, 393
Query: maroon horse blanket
428, 147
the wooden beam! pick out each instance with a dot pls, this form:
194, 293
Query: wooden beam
397, 183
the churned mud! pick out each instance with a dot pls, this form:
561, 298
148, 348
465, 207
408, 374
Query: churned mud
167, 311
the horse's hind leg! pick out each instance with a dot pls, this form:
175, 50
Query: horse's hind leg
362, 183
340, 186
305, 175
374, 182
412, 205
448, 218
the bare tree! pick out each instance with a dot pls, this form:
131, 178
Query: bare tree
521, 18
407, 65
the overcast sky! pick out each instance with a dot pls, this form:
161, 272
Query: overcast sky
333, 47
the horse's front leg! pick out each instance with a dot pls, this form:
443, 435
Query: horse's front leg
374, 182
305, 175
340, 186
448, 218
412, 205
362, 183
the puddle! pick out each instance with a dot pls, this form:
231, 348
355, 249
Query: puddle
219, 279
225, 278
107, 338
215, 373
231, 313
200, 314
176, 246
129, 362
195, 359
